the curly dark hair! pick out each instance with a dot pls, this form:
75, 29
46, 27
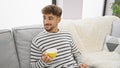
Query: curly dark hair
52, 9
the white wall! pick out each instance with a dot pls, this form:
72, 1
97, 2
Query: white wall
21, 12
28, 12
92, 8
77, 9
72, 9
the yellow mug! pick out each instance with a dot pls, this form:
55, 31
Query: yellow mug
52, 53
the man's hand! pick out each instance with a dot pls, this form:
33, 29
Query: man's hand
83, 66
46, 58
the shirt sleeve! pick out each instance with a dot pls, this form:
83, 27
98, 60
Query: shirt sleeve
76, 53
35, 57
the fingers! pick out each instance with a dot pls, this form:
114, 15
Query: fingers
46, 58
83, 66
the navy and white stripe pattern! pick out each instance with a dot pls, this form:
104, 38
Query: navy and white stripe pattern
62, 41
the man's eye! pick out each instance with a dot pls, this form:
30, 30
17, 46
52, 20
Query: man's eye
50, 18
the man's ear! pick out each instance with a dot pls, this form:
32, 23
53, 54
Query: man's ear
59, 19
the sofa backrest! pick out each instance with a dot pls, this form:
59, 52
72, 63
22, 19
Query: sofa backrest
89, 34
23, 37
8, 56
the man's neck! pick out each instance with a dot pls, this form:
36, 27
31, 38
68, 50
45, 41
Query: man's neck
54, 31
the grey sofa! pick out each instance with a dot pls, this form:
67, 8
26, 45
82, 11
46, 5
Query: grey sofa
15, 43
15, 46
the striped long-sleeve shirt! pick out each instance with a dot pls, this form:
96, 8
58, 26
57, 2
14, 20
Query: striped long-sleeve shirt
68, 53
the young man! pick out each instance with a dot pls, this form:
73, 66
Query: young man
52, 37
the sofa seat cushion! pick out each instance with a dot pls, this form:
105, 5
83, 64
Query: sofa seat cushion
23, 36
8, 56
102, 59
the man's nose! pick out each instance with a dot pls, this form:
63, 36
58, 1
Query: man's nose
46, 21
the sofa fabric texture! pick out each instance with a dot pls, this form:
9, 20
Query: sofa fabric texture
8, 55
23, 37
88, 34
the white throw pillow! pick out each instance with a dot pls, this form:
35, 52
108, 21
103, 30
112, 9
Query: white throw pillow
116, 28
112, 44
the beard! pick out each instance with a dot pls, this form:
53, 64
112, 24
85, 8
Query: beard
48, 27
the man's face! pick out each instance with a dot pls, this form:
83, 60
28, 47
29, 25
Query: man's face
51, 22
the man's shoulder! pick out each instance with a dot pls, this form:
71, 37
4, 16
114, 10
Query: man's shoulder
65, 31
40, 34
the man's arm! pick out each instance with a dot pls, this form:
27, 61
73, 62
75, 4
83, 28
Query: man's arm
76, 53
35, 57
77, 56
